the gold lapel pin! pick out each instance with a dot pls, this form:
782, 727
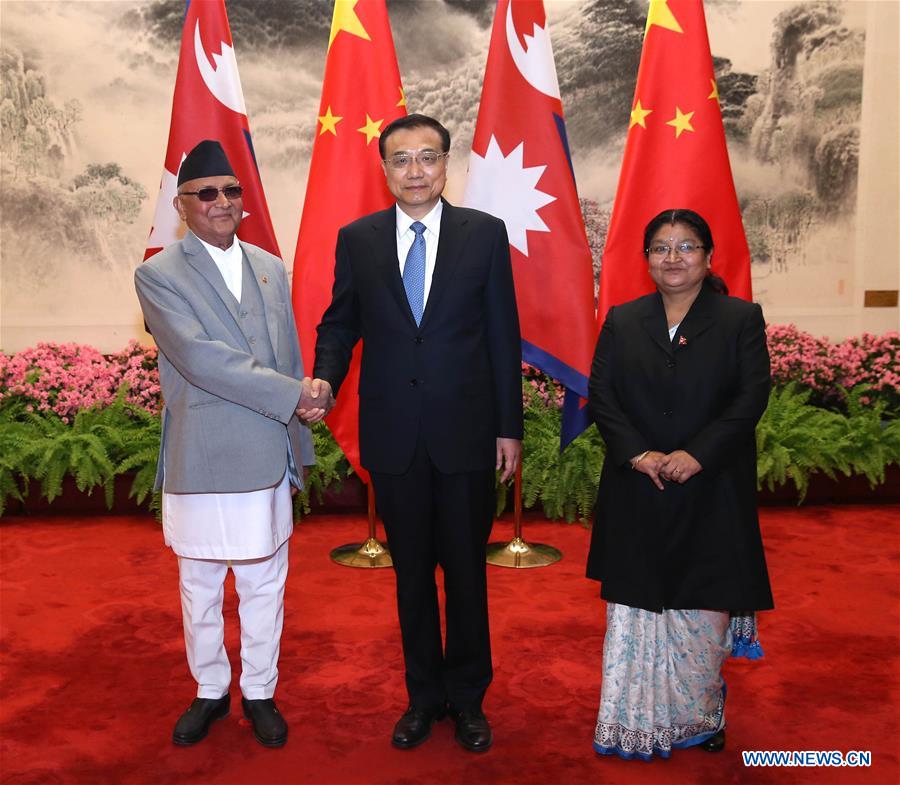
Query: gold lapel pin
265, 279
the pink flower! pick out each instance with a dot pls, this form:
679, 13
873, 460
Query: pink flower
66, 378
824, 367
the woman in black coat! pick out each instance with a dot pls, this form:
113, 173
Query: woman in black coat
679, 380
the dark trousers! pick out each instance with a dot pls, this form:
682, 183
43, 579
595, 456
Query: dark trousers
432, 518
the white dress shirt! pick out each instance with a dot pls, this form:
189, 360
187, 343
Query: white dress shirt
405, 237
230, 263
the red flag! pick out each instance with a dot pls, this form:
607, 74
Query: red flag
675, 156
209, 104
361, 94
520, 170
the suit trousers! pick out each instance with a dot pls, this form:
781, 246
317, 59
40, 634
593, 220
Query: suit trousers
431, 519
260, 587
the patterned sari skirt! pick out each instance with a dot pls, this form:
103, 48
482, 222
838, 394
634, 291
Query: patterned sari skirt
662, 684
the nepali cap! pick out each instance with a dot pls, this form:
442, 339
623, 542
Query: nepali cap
207, 159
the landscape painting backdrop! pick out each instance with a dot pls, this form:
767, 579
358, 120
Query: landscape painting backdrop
85, 100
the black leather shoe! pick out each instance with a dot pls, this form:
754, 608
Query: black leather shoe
269, 727
473, 731
193, 725
414, 727
715, 743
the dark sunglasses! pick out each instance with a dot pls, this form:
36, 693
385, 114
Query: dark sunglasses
210, 194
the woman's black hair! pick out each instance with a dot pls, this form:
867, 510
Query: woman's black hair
696, 222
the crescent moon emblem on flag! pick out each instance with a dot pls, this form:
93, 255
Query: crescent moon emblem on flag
222, 80
536, 64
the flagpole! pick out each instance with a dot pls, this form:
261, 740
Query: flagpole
517, 553
361, 79
370, 553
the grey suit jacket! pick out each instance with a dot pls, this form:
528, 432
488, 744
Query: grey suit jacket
227, 418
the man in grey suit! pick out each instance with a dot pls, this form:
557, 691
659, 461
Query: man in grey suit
232, 445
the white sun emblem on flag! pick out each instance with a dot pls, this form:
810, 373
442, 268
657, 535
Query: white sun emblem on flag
507, 189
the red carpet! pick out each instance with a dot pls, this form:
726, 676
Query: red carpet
94, 675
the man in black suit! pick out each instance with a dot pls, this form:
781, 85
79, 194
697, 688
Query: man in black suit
429, 289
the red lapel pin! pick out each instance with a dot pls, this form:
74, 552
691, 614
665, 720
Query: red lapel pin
682, 341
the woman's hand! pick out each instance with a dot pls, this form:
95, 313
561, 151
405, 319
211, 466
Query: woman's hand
679, 466
650, 463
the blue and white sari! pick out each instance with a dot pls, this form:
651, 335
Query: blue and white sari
662, 685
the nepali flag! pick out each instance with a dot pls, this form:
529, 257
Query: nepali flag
675, 157
520, 170
361, 95
209, 104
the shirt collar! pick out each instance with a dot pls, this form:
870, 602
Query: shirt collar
227, 255
432, 221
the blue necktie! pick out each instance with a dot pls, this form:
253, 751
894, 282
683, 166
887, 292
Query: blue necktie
414, 272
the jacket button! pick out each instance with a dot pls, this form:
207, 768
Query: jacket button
413, 382
670, 363
667, 413
418, 339
252, 339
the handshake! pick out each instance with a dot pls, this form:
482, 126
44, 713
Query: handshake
316, 400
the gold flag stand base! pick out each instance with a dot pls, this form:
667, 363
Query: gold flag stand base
517, 553
371, 553
520, 554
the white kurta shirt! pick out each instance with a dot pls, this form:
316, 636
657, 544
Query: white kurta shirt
223, 526
432, 233
228, 526
230, 263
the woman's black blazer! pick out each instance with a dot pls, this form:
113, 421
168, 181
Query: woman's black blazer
696, 545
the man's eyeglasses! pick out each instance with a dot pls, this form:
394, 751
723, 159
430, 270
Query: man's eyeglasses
425, 159
684, 248
210, 194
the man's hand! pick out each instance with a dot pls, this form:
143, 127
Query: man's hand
316, 400
509, 453
650, 463
679, 466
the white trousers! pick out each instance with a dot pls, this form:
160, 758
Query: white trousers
260, 587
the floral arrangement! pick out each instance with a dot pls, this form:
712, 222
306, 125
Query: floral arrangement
67, 410
828, 371
66, 378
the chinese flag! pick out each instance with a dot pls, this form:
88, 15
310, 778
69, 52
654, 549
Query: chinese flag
209, 104
361, 94
675, 156
520, 170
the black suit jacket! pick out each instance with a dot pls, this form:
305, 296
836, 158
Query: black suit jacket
695, 545
455, 379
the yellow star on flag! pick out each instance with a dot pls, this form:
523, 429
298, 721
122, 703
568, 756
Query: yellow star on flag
372, 129
638, 115
681, 122
329, 122
660, 14
402, 101
345, 19
715, 90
